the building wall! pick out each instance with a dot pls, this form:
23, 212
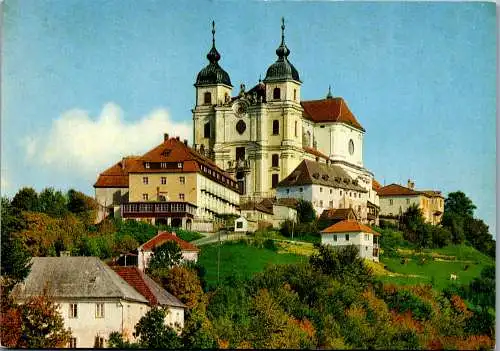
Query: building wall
107, 197
283, 213
333, 140
214, 197
396, 205
170, 190
119, 315
175, 316
363, 241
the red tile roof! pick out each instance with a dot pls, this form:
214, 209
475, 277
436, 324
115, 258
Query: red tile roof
147, 287
117, 175
338, 213
315, 152
397, 190
163, 237
330, 110
376, 185
348, 226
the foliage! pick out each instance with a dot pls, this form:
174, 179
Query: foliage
52, 202
301, 230
458, 203
116, 341
183, 283
83, 206
197, 332
305, 211
42, 325
154, 334
26, 199
166, 255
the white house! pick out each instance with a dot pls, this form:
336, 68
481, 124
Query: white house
155, 294
243, 225
93, 300
351, 232
145, 251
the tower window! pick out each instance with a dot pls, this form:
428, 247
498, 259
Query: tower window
276, 93
274, 180
275, 160
206, 130
296, 129
295, 94
276, 127
207, 98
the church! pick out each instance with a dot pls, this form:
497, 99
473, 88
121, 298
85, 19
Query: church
260, 136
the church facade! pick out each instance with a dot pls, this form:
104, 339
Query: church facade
262, 134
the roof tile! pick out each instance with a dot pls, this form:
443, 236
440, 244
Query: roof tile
348, 226
330, 110
162, 238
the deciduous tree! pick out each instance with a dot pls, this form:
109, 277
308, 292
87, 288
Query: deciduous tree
154, 334
166, 255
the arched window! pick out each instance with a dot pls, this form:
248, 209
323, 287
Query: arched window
276, 93
274, 180
206, 130
275, 160
207, 98
276, 127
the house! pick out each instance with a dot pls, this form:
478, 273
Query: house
257, 211
334, 215
352, 232
284, 209
326, 186
155, 294
93, 300
244, 225
171, 184
395, 199
145, 251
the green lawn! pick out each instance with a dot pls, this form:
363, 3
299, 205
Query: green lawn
240, 259
438, 271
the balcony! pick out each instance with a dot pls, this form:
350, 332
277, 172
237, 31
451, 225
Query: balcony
157, 209
236, 165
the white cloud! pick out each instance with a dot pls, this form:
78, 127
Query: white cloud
78, 143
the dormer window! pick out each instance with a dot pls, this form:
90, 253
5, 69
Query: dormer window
179, 165
163, 165
147, 165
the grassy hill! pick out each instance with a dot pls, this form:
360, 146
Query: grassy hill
429, 266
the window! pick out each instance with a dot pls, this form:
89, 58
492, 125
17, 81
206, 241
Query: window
164, 180
407, 201
331, 204
207, 98
147, 165
179, 165
276, 93
320, 203
320, 189
390, 201
239, 225
347, 237
296, 129
206, 130
274, 180
295, 98
340, 192
288, 191
145, 197
73, 310
335, 237
275, 160
240, 153
182, 180
331, 191
72, 343
163, 165
367, 236
276, 127
145, 180
99, 342
181, 197
99, 310
301, 189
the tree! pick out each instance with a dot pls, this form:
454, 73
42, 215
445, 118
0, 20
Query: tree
412, 221
457, 202
197, 332
477, 233
115, 341
83, 206
184, 284
42, 325
166, 255
52, 202
154, 334
26, 199
305, 211
15, 259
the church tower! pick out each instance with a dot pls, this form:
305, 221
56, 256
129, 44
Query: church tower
213, 88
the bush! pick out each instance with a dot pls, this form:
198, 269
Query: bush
270, 245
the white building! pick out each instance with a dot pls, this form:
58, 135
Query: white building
351, 232
93, 300
261, 135
326, 186
145, 251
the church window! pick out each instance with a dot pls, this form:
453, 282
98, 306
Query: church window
207, 98
296, 129
274, 180
295, 94
276, 127
276, 93
206, 130
275, 160
351, 146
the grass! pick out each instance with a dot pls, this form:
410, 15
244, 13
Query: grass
450, 259
241, 260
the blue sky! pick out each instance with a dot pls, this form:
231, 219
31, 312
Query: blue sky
87, 82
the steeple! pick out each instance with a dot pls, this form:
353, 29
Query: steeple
329, 95
282, 51
213, 73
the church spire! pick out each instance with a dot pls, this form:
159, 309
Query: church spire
282, 51
329, 95
213, 55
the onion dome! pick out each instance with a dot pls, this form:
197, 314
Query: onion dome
282, 69
213, 73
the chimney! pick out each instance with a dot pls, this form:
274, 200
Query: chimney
165, 137
123, 162
185, 142
410, 184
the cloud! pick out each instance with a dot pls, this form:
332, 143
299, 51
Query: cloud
78, 143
